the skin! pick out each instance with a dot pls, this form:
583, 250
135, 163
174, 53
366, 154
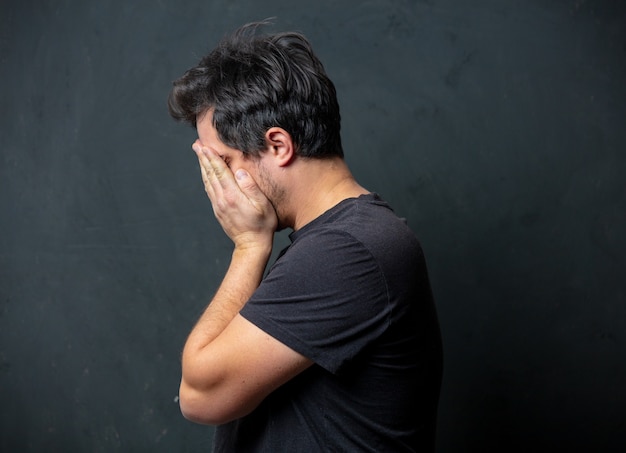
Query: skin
229, 365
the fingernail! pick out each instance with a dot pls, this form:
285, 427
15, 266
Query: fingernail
240, 174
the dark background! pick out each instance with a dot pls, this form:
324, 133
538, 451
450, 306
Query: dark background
496, 127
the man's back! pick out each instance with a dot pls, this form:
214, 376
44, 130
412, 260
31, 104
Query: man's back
351, 293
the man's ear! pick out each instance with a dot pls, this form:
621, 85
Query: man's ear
280, 145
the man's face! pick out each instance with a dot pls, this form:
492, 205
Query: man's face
257, 166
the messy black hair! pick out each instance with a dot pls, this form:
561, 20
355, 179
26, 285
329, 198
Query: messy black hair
252, 82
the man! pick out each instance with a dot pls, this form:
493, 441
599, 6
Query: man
337, 348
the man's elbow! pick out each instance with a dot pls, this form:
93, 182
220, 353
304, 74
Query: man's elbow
196, 414
206, 409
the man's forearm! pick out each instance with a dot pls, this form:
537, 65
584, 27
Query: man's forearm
241, 280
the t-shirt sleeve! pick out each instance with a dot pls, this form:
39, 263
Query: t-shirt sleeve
324, 298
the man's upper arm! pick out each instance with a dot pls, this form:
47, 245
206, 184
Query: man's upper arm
235, 372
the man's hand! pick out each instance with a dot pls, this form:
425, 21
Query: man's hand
244, 212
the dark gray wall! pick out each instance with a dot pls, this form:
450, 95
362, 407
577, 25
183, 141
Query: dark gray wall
496, 127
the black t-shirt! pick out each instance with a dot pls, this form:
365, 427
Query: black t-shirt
351, 293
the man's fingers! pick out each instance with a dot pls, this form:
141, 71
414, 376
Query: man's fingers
248, 186
205, 169
218, 179
215, 167
205, 178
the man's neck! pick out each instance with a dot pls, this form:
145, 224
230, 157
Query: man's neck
320, 184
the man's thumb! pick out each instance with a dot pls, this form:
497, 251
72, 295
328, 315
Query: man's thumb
245, 182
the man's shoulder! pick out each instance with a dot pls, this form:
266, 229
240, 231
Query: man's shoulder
351, 214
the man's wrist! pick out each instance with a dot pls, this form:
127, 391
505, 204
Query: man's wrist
253, 251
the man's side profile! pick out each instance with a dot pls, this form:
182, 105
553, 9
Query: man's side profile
337, 347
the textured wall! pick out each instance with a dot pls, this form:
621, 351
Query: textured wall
495, 127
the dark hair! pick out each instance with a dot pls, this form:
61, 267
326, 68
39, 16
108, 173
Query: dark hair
253, 82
